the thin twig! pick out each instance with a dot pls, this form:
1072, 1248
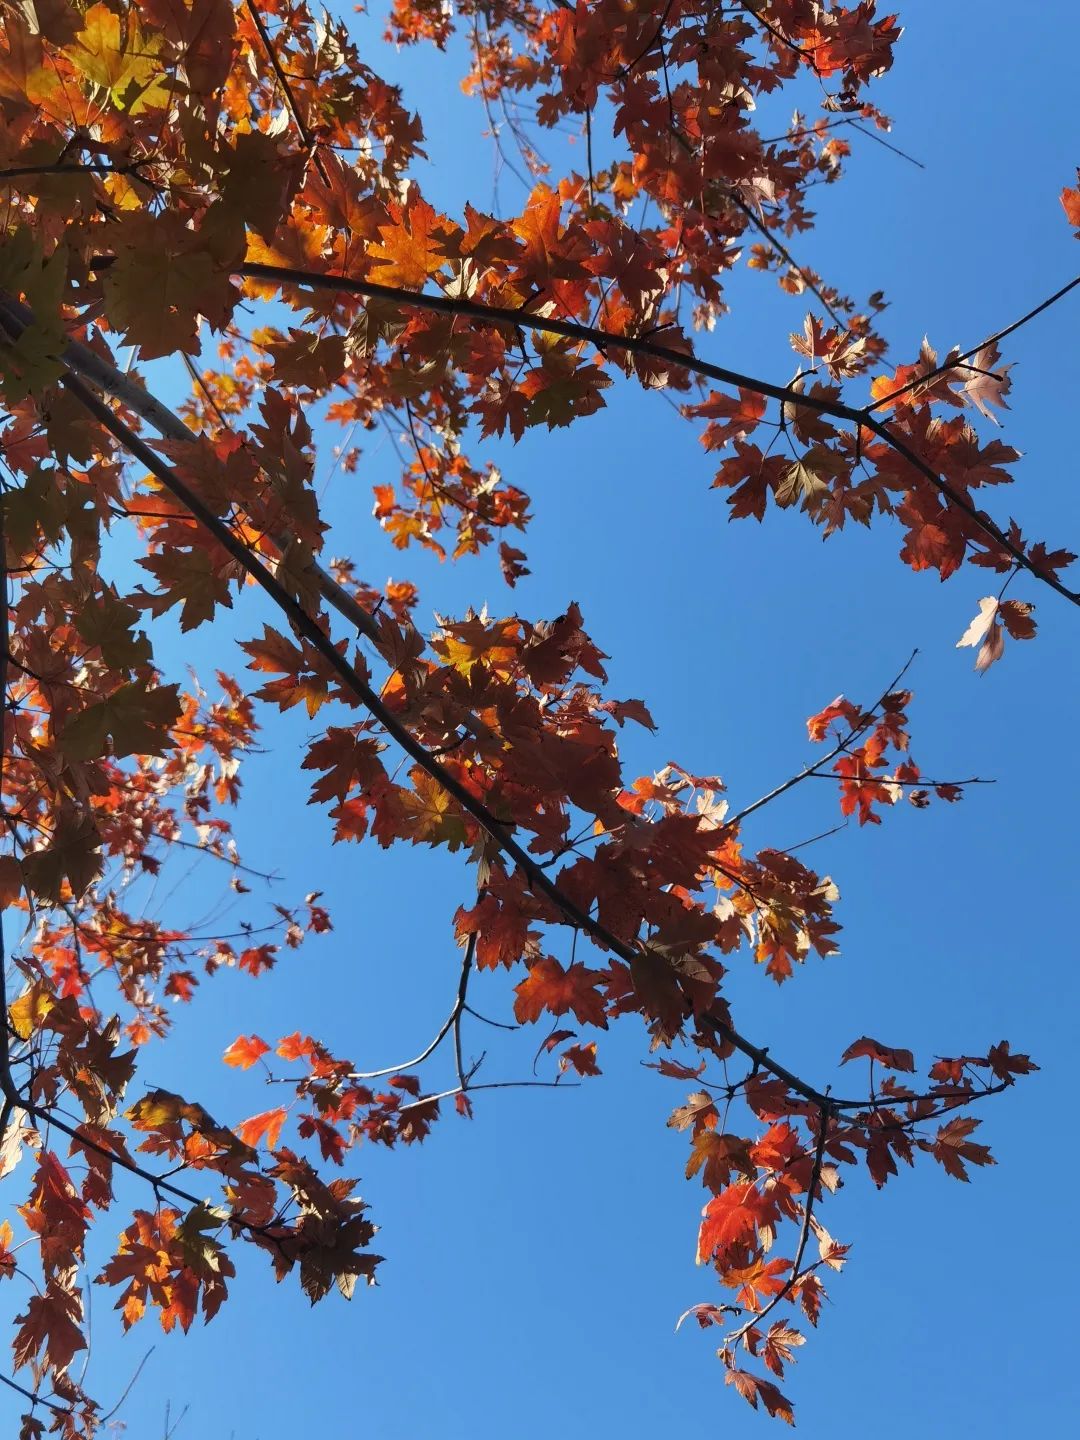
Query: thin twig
489, 1085
920, 784
34, 1399
129, 1386
956, 361
804, 1235
286, 90
808, 770
448, 1024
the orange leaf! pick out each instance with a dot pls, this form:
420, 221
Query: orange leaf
548, 987
265, 1127
244, 1051
733, 1216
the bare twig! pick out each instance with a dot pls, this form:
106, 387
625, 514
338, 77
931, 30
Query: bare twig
34, 1399
129, 1386
489, 1085
452, 1022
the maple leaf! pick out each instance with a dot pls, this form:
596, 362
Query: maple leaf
109, 623
137, 719
563, 388
12, 1145
331, 1142
430, 814
548, 255
274, 653
52, 1326
126, 65
732, 417
71, 856
414, 245
297, 1047
1005, 1065
349, 760
502, 931
657, 989
7, 1259
264, 1128
780, 1345
752, 1388
884, 1054
161, 281
705, 1314
259, 182
756, 1281
951, 1147
1070, 200
511, 562
699, 1111
548, 988
986, 382
837, 710
245, 1051
718, 1156
581, 1058
675, 1070
27, 1012
732, 1217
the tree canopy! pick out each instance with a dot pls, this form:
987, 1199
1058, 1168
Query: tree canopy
219, 255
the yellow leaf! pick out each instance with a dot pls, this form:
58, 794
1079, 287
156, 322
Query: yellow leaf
123, 62
28, 1011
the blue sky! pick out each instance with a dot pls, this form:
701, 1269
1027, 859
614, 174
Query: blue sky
538, 1257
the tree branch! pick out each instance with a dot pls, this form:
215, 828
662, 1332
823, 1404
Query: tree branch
105, 376
641, 345
804, 1235
286, 89
452, 1022
305, 626
957, 361
808, 770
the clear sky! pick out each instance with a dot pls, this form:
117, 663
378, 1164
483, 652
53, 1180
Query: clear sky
538, 1257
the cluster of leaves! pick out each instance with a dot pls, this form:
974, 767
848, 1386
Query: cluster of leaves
163, 163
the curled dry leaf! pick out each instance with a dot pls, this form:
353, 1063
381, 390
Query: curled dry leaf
988, 628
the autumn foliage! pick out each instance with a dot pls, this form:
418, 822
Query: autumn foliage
231, 186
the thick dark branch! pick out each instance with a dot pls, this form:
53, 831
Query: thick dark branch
642, 345
105, 376
84, 167
8, 1088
